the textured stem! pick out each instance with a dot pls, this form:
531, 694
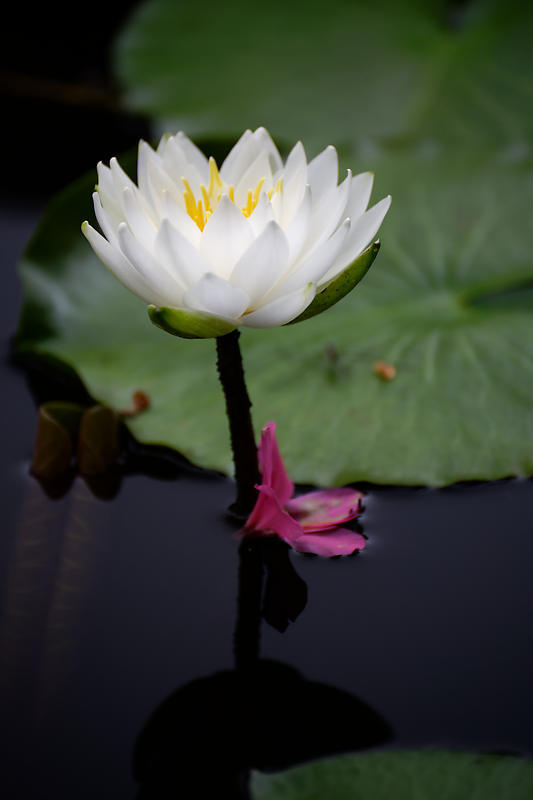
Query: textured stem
231, 374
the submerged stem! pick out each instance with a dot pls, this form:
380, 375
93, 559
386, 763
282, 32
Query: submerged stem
238, 404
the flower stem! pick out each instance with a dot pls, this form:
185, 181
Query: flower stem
238, 404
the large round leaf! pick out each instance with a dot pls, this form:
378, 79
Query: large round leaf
423, 775
447, 303
346, 72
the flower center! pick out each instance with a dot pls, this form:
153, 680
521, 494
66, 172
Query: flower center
200, 210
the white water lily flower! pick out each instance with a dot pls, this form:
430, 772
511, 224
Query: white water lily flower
258, 243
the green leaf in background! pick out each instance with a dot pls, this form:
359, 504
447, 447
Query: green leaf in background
342, 73
424, 775
446, 302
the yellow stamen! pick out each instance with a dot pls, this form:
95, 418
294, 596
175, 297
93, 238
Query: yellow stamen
247, 210
258, 191
252, 199
201, 210
200, 220
215, 181
206, 198
278, 188
190, 203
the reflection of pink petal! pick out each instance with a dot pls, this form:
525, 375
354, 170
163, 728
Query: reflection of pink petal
340, 542
269, 516
325, 509
272, 466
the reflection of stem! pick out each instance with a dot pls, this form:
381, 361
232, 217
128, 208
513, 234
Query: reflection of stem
247, 630
229, 364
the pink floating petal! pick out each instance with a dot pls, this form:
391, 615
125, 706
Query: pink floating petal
272, 466
340, 542
269, 516
325, 509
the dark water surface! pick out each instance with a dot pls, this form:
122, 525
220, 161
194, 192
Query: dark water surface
111, 606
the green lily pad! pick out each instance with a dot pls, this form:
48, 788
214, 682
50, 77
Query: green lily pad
454, 73
425, 775
448, 303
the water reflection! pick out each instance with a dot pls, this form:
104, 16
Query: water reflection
91, 441
209, 733
57, 548
262, 714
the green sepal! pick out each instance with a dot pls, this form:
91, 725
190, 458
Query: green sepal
189, 324
341, 285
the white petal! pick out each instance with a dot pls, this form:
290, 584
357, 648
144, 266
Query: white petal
262, 214
323, 172
162, 146
179, 256
161, 181
258, 170
294, 183
138, 221
217, 296
143, 179
180, 219
154, 273
315, 266
361, 234
177, 166
105, 179
265, 142
121, 181
108, 223
281, 310
327, 213
262, 264
298, 231
118, 264
174, 159
239, 159
108, 197
194, 155
153, 180
360, 192
227, 234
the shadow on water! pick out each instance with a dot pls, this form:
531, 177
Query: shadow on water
263, 714
208, 734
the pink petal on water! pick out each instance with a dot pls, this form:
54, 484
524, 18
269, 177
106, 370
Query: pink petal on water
325, 509
340, 542
272, 466
269, 516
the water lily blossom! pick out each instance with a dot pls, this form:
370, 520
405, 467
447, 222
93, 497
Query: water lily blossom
309, 523
258, 243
